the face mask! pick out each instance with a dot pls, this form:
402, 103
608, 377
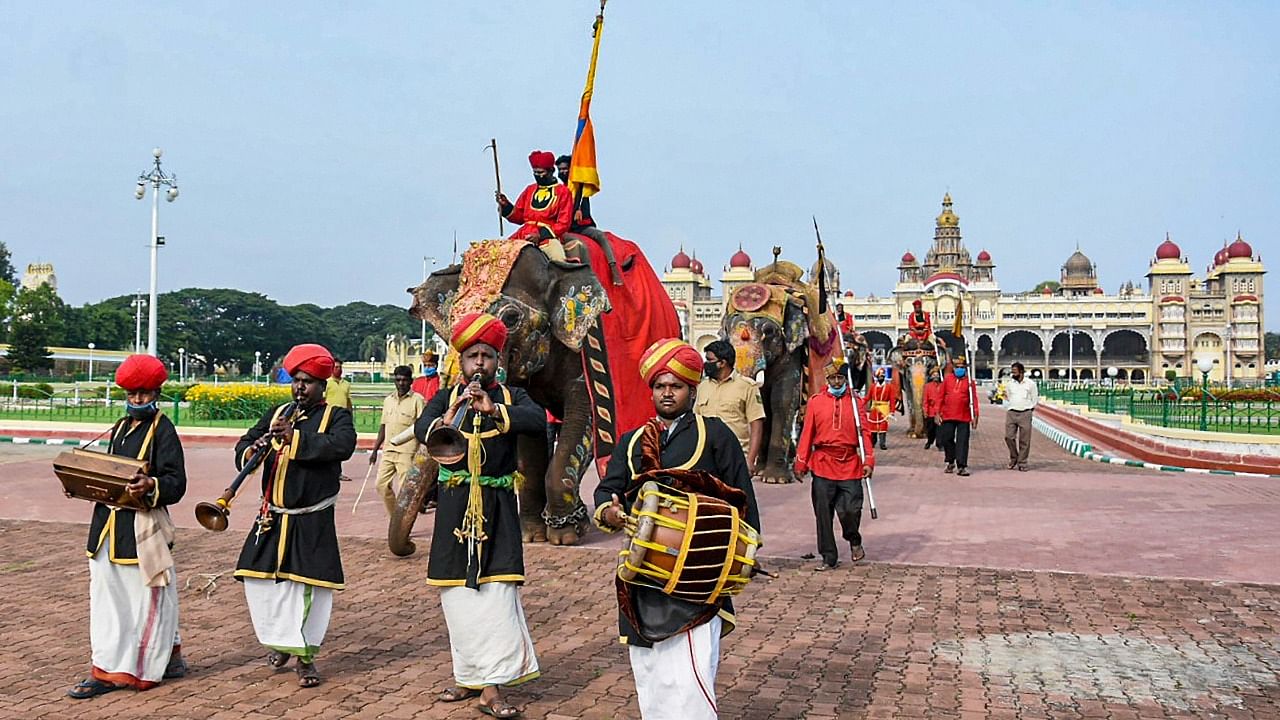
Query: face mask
711, 369
141, 412
548, 179
837, 391
960, 372
429, 372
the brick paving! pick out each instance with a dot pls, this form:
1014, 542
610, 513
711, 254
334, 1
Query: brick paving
958, 614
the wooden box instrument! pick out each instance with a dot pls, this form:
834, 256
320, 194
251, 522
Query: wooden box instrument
99, 477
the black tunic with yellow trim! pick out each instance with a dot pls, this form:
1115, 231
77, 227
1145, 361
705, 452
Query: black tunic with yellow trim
300, 547
501, 556
156, 441
692, 443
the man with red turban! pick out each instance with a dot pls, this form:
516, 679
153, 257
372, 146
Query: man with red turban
477, 556
674, 644
544, 211
289, 563
133, 596
919, 322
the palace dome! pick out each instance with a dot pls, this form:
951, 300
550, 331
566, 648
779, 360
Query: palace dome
1220, 256
1239, 249
696, 266
984, 256
681, 261
908, 258
740, 259
1078, 265
1168, 250
947, 218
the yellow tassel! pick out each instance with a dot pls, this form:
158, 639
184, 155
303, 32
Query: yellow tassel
473, 520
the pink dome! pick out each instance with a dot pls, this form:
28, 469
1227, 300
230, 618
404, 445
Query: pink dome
740, 259
907, 257
848, 293
1099, 291
1168, 250
984, 256
696, 266
681, 261
1220, 257
1239, 249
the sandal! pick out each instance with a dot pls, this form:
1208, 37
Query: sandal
457, 694
277, 659
823, 567
308, 676
857, 553
177, 668
499, 708
92, 687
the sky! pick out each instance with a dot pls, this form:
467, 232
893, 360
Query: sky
324, 149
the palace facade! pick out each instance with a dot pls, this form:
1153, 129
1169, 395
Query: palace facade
1075, 330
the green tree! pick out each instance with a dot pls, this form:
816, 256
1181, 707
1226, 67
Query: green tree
42, 308
1053, 286
106, 326
8, 272
29, 348
7, 294
1271, 346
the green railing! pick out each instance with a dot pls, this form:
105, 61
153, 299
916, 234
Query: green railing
1255, 411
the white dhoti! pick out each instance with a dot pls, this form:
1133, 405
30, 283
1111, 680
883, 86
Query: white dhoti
288, 616
488, 636
132, 627
676, 678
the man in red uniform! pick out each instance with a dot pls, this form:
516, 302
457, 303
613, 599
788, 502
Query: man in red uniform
882, 398
919, 322
957, 413
845, 319
931, 404
428, 384
836, 445
544, 211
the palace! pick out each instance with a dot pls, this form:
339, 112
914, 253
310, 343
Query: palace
1076, 330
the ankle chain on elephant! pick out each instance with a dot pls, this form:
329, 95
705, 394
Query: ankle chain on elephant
577, 517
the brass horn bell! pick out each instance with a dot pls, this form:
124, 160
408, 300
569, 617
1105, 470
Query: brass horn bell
446, 444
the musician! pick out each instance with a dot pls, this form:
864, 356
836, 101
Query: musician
957, 414
883, 398
133, 596
675, 645
544, 211
290, 564
477, 559
836, 446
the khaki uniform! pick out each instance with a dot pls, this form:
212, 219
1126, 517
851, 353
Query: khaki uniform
398, 414
735, 400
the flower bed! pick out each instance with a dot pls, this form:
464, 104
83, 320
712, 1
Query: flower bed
234, 401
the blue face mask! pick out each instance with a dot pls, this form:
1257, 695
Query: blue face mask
141, 412
429, 372
837, 391
960, 372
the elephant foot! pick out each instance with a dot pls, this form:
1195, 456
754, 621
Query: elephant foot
533, 531
569, 535
769, 478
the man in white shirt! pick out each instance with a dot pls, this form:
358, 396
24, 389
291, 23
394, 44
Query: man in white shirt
1020, 397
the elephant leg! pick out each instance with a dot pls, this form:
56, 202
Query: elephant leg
418, 481
533, 466
784, 404
565, 517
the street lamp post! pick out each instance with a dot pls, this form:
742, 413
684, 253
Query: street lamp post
91, 347
155, 177
1227, 356
425, 258
257, 365
138, 303
1205, 365
1112, 372
1071, 348
182, 365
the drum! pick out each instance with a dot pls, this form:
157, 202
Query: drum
690, 546
98, 477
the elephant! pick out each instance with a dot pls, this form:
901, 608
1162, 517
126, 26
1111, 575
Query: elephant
912, 359
547, 307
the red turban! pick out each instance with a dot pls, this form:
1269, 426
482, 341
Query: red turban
311, 359
916, 302
671, 356
478, 328
141, 372
542, 160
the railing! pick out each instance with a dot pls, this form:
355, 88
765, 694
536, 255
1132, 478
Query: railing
1182, 405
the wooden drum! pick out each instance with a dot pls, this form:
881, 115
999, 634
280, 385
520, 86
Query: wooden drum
690, 546
98, 477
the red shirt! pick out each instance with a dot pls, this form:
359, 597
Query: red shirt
887, 394
425, 386
542, 206
827, 444
932, 402
959, 399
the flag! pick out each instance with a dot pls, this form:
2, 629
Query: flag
957, 327
584, 177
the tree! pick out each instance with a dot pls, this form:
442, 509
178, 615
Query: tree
8, 273
106, 326
29, 349
43, 308
7, 294
1271, 346
1053, 286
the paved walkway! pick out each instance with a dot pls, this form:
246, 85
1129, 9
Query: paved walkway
957, 615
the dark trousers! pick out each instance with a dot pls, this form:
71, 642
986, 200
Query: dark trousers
831, 499
954, 436
930, 431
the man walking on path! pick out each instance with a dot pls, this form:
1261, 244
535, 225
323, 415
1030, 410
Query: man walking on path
958, 413
338, 391
400, 410
1020, 397
932, 404
732, 398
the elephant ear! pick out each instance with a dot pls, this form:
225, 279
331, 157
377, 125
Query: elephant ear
433, 298
576, 302
796, 330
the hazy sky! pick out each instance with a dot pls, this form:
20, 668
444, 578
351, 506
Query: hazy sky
323, 149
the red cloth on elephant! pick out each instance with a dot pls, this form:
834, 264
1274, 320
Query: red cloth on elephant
932, 402
542, 206
959, 399
141, 372
642, 313
882, 398
827, 445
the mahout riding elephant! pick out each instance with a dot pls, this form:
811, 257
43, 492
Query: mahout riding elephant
769, 324
912, 359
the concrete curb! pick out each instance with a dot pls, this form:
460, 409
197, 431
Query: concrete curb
50, 441
1083, 449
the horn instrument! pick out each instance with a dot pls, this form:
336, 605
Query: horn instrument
215, 515
445, 443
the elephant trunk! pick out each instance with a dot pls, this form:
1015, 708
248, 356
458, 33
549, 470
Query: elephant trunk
418, 481
917, 381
